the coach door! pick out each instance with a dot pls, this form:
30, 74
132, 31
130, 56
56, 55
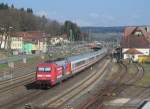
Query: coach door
68, 68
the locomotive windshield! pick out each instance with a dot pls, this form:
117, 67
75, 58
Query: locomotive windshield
43, 69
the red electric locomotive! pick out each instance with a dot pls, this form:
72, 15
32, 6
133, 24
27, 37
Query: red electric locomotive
49, 73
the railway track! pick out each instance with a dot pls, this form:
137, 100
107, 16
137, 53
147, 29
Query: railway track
15, 82
26, 97
23, 99
18, 79
63, 98
121, 81
95, 102
130, 80
20, 69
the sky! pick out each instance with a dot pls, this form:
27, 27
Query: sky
91, 12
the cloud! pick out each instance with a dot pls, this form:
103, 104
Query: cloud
94, 15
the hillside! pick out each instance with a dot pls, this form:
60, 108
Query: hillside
14, 20
25, 20
104, 33
102, 29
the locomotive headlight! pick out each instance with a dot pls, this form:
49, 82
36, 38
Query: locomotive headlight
48, 75
39, 75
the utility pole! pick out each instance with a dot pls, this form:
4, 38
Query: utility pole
71, 35
89, 34
9, 39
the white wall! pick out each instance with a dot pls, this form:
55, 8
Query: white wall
3, 42
145, 51
16, 43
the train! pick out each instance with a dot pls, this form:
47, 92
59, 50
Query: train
50, 73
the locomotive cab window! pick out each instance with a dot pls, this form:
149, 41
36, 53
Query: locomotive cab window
40, 69
44, 69
47, 69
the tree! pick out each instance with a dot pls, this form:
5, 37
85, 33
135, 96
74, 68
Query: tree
22, 9
26, 20
12, 6
72, 31
3, 6
29, 10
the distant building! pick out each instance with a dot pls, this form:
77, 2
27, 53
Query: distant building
32, 42
59, 39
16, 44
25, 42
135, 42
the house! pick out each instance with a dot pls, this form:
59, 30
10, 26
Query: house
15, 42
30, 42
38, 40
16, 45
25, 42
34, 41
136, 42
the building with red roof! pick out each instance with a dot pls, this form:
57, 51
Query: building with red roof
136, 38
32, 41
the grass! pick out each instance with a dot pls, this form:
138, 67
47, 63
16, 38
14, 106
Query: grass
3, 66
145, 81
32, 60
